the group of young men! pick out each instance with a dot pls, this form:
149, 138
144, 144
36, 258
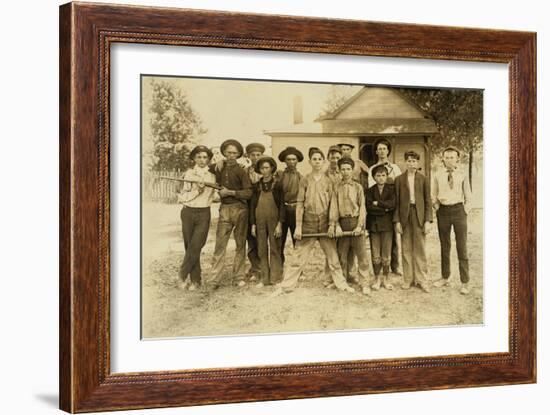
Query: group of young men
337, 204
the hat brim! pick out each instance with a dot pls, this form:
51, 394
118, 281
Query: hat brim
295, 152
201, 149
232, 143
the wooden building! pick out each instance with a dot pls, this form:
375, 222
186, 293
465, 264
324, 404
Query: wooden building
372, 113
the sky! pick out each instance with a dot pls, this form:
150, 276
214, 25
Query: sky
243, 109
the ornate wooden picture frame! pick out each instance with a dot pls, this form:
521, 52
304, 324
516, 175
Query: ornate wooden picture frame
87, 32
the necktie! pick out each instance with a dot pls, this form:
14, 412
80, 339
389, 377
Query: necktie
450, 179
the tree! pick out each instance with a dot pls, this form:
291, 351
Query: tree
337, 95
458, 115
175, 126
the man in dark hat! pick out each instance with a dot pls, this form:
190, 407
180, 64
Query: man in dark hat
289, 179
235, 193
254, 152
451, 198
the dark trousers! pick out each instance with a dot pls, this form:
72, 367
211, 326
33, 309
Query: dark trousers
455, 217
350, 247
194, 227
252, 253
394, 254
288, 224
268, 249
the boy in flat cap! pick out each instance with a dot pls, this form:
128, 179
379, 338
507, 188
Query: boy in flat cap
266, 217
412, 216
380, 207
289, 180
315, 213
349, 200
195, 215
451, 198
333, 172
253, 152
235, 193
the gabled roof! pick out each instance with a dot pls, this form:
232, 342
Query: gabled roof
376, 103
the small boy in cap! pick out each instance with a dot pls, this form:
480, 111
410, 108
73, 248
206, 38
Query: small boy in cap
253, 152
315, 213
333, 172
235, 193
289, 180
349, 200
451, 199
266, 217
412, 216
195, 215
382, 150
380, 207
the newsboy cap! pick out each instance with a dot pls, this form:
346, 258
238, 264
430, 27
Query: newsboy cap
291, 150
200, 149
263, 160
255, 147
346, 144
232, 143
334, 149
315, 150
346, 160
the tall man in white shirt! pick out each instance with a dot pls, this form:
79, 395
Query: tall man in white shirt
451, 199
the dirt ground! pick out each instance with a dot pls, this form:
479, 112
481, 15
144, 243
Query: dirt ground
170, 312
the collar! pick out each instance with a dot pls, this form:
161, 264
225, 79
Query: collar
201, 170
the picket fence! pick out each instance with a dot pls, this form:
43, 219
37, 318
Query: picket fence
157, 188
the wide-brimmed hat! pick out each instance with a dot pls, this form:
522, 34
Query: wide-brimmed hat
200, 149
255, 147
264, 159
346, 144
291, 150
381, 141
232, 143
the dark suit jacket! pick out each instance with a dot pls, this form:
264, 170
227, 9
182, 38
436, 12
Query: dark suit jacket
379, 218
422, 197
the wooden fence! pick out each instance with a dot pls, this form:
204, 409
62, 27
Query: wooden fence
156, 188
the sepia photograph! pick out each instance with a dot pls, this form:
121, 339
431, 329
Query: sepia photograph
273, 207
